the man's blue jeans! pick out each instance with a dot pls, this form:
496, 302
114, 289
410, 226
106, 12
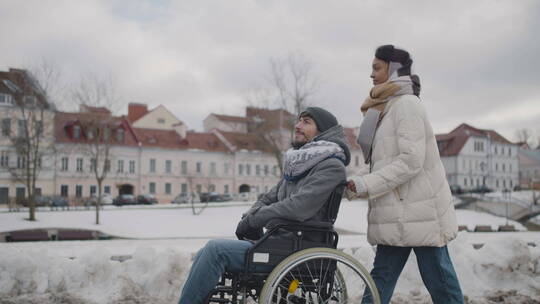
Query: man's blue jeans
435, 267
216, 257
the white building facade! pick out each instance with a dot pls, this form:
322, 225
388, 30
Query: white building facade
475, 158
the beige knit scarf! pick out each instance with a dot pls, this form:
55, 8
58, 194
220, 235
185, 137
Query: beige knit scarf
379, 96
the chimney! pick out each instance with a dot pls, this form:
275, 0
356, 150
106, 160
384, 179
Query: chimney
136, 111
181, 129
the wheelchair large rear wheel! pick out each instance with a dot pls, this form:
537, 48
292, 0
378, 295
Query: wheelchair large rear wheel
319, 276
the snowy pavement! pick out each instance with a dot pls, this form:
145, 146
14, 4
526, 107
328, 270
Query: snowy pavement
156, 261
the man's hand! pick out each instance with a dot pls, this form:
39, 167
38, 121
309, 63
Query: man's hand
245, 231
351, 186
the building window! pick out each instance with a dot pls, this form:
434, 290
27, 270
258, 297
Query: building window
120, 134
5, 98
39, 127
21, 162
152, 188
168, 166
120, 168
257, 170
22, 127
20, 194
198, 167
76, 132
503, 167
248, 169
275, 171
64, 190
93, 190
131, 166
496, 167
6, 127
465, 181
92, 164
240, 169
226, 189
198, 188
107, 189
29, 100
183, 188
152, 165
504, 183
211, 188
266, 171
4, 159
79, 164
495, 149
478, 146
226, 168
161, 121
497, 183
183, 167
107, 165
212, 168
168, 188
78, 191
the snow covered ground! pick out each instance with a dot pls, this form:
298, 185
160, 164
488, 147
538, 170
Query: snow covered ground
151, 266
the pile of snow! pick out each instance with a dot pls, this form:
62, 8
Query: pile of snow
153, 270
155, 275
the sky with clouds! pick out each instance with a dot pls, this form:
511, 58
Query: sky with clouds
479, 61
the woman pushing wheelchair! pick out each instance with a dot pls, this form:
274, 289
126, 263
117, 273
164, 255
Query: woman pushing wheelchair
410, 203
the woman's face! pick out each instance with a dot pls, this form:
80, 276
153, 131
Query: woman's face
379, 74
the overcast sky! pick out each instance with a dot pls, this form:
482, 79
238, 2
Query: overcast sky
478, 60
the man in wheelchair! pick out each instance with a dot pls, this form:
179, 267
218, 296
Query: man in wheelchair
312, 169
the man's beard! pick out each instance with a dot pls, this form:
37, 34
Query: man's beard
297, 144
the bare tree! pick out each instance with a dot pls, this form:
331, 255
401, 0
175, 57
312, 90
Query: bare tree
525, 136
293, 81
33, 140
98, 127
290, 86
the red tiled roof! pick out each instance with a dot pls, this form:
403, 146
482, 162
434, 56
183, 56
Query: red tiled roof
63, 120
246, 141
24, 82
453, 142
170, 139
230, 118
95, 110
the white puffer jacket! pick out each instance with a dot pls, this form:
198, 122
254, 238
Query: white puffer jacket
410, 203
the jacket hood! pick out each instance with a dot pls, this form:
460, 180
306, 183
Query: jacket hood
336, 135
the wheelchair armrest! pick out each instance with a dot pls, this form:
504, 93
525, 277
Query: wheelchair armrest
306, 225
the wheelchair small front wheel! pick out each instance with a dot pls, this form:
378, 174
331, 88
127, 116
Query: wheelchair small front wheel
319, 275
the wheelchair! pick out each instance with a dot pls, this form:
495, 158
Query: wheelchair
303, 268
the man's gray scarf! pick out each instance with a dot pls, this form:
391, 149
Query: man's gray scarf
298, 162
409, 86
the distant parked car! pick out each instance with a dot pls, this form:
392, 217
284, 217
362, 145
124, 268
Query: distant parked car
125, 199
41, 201
106, 199
59, 201
210, 197
481, 189
455, 189
184, 198
146, 199
226, 197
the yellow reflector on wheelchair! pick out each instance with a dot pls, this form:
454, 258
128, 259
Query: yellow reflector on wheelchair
293, 286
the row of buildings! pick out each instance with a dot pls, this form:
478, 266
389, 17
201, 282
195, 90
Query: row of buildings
153, 151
